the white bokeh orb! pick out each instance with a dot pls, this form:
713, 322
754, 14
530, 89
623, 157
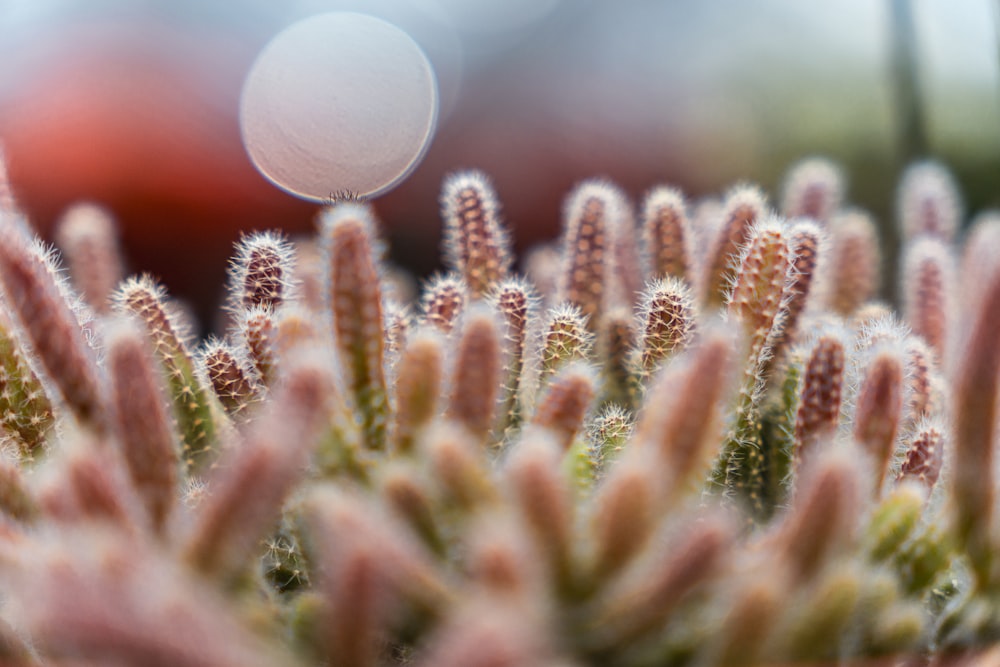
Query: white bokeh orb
339, 104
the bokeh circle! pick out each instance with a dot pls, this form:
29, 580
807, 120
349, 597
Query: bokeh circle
339, 104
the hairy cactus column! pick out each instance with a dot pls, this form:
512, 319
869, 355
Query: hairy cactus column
928, 202
418, 387
348, 231
667, 323
25, 409
681, 422
260, 281
143, 422
475, 243
515, 299
33, 295
854, 260
927, 282
564, 339
646, 596
744, 206
371, 572
88, 238
235, 387
199, 414
260, 273
806, 242
758, 300
562, 411
477, 378
879, 409
813, 188
587, 247
665, 460
261, 467
667, 236
974, 382
820, 394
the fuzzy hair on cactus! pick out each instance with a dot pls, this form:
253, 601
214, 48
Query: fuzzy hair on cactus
695, 442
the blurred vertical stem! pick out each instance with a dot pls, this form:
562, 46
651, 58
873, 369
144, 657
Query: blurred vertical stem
910, 125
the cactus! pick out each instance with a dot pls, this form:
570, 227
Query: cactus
752, 463
591, 214
358, 323
928, 202
475, 242
667, 323
47, 319
197, 410
854, 264
928, 283
814, 189
744, 206
88, 240
667, 236
476, 381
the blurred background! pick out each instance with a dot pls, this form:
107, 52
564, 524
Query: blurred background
133, 104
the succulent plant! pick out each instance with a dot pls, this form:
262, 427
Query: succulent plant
745, 462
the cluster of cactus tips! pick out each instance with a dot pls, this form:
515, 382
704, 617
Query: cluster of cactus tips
687, 434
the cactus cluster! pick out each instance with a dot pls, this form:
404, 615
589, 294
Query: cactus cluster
687, 435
